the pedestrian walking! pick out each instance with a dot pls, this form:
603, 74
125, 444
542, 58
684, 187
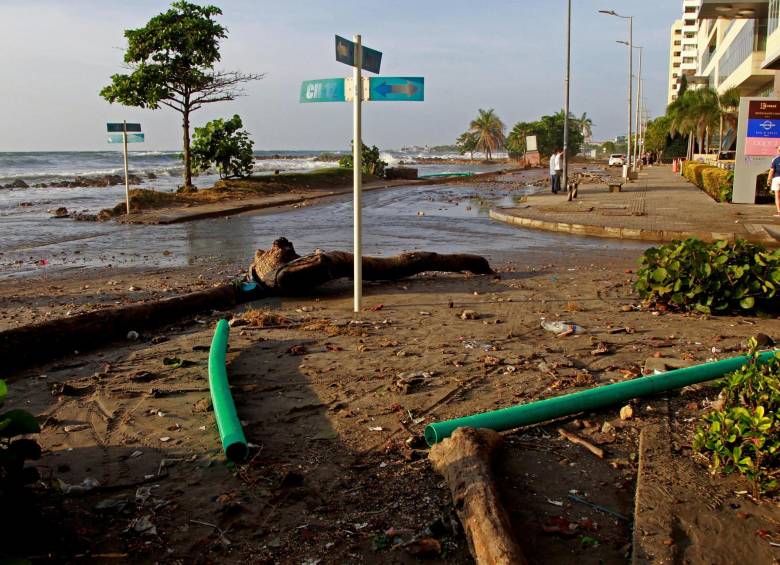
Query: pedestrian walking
773, 180
553, 177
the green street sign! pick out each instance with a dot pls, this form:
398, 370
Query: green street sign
121, 127
396, 89
323, 90
131, 138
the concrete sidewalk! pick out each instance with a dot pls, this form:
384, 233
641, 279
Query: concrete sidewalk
659, 206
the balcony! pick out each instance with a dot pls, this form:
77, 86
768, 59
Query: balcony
711, 9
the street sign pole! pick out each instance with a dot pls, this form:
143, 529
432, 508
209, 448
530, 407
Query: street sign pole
357, 149
127, 180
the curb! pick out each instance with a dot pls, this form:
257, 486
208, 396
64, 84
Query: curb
626, 233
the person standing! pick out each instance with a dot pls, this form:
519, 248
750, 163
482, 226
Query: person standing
773, 180
553, 177
558, 168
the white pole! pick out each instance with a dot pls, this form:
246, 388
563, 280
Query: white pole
357, 177
127, 180
565, 175
636, 121
630, 167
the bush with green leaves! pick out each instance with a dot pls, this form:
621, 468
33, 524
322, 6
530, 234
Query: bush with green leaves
14, 450
712, 278
744, 435
371, 163
222, 144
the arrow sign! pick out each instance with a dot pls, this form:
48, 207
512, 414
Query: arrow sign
397, 89
345, 53
131, 138
323, 90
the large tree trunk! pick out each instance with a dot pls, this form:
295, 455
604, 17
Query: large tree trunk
465, 461
187, 158
282, 269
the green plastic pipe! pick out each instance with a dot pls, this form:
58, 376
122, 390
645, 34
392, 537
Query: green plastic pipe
543, 410
230, 432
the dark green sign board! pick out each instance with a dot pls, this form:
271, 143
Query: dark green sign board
121, 127
345, 53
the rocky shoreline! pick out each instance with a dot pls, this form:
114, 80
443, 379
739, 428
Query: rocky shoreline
82, 182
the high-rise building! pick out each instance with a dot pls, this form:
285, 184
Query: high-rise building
726, 44
675, 60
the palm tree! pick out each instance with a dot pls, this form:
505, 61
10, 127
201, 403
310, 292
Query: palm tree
586, 126
694, 114
490, 132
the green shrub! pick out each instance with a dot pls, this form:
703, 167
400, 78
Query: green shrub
718, 183
744, 435
14, 451
221, 144
371, 163
712, 278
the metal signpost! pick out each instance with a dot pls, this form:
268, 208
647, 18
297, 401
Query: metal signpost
125, 137
356, 90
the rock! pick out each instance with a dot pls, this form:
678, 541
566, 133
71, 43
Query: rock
18, 183
607, 428
133, 335
60, 212
626, 413
238, 322
469, 315
203, 405
764, 340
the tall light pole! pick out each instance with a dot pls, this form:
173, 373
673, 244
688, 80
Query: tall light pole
565, 179
630, 80
637, 125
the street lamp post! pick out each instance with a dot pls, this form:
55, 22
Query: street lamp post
637, 124
565, 175
630, 81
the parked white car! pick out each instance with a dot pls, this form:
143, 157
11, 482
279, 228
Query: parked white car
616, 160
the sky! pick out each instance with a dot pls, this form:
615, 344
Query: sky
502, 54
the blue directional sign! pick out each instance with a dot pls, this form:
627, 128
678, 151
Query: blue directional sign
397, 89
345, 53
323, 90
763, 127
120, 127
131, 138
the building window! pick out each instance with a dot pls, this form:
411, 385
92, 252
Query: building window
774, 11
740, 49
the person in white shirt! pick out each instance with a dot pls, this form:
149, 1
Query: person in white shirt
555, 178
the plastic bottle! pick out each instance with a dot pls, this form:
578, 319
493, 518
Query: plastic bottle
562, 327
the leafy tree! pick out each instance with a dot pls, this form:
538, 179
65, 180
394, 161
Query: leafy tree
370, 160
489, 129
172, 60
657, 134
221, 144
467, 143
549, 134
515, 141
609, 147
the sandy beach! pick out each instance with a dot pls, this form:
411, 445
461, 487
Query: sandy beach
334, 408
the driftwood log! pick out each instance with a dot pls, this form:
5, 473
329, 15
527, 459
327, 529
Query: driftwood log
278, 270
465, 461
282, 269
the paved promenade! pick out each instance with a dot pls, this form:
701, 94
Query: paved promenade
658, 206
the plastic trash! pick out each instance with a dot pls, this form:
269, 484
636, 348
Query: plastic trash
559, 327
